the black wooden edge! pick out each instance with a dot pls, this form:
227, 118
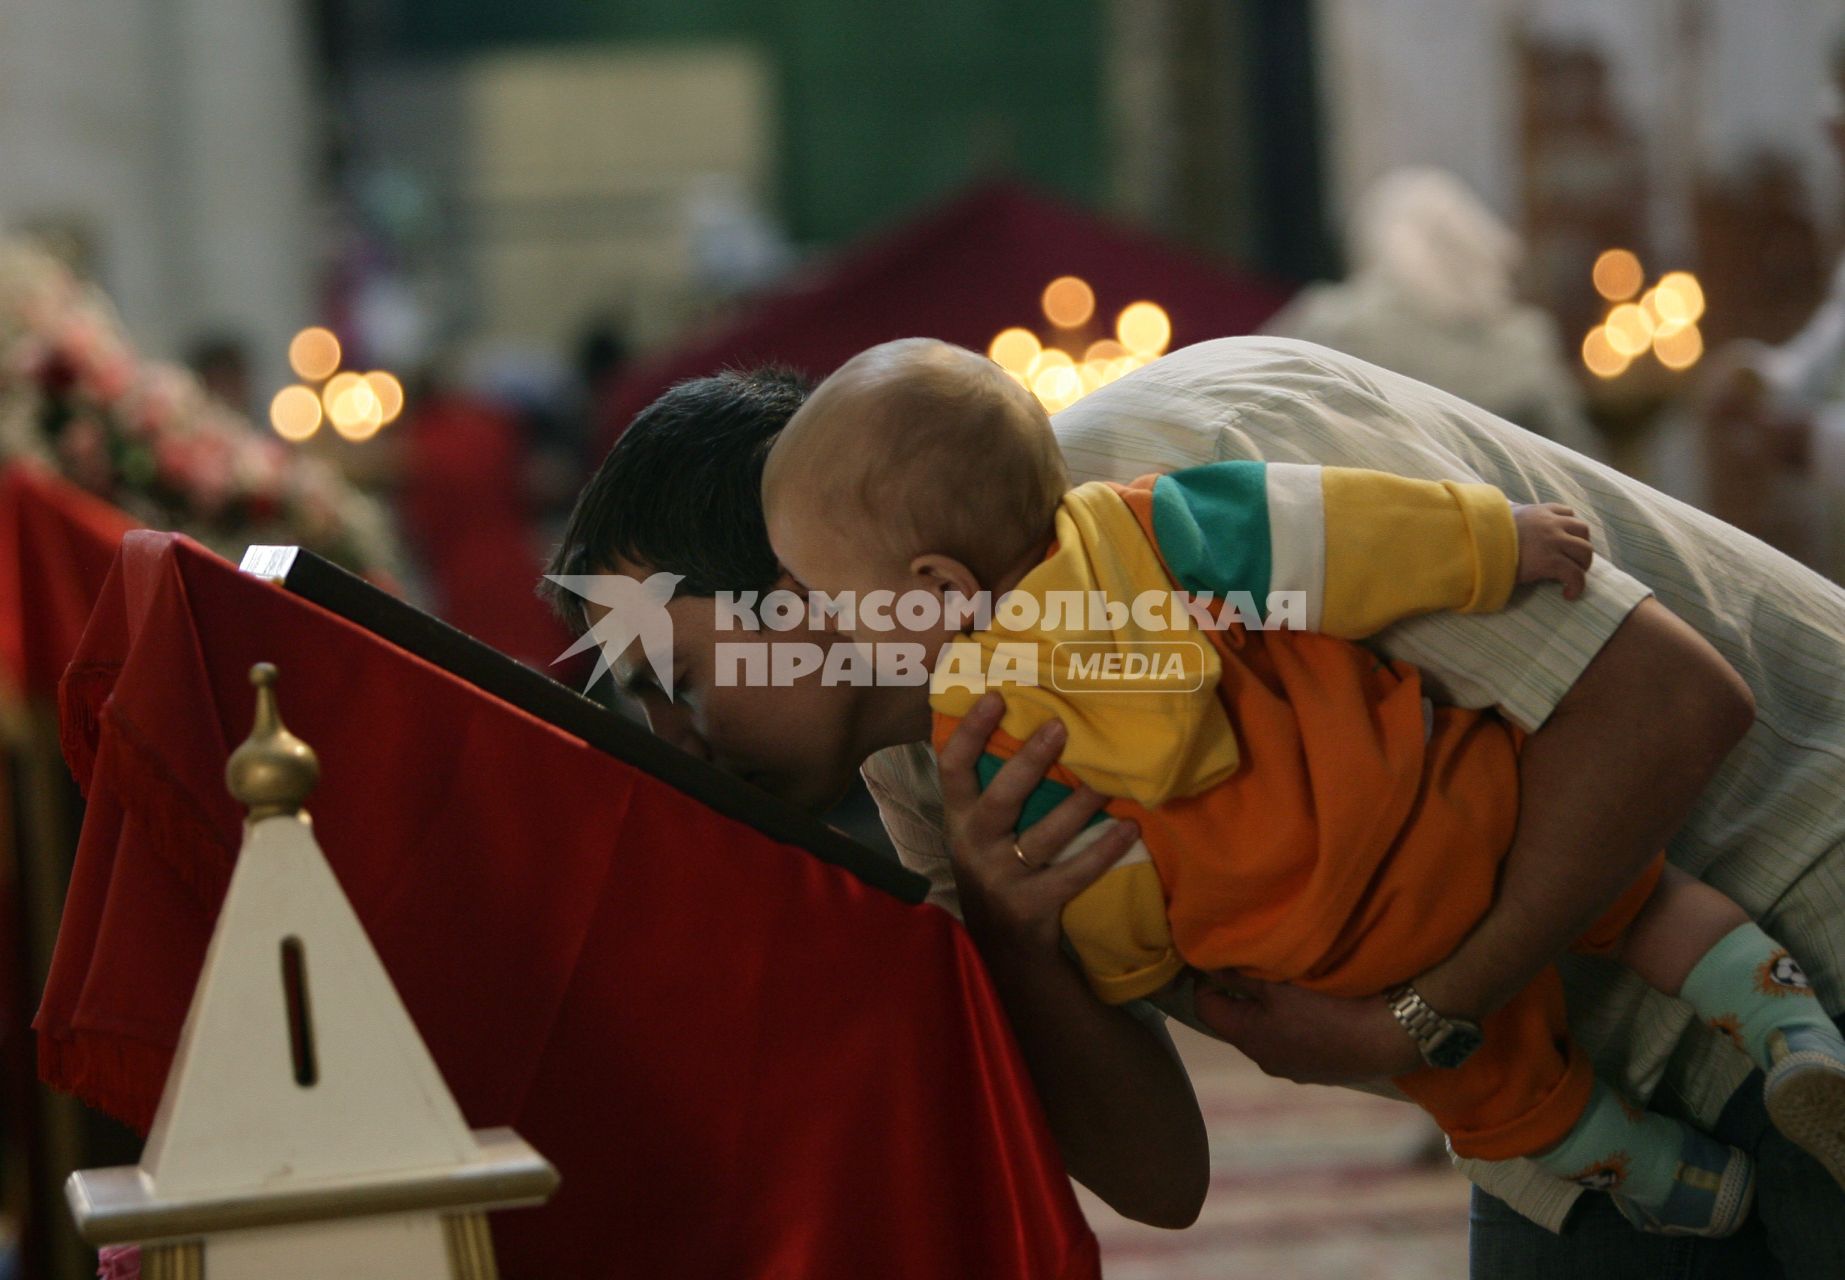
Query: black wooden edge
384, 615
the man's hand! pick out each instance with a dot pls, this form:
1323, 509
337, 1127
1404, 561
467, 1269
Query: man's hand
1004, 901
1115, 1094
1602, 784
1304, 1035
1553, 546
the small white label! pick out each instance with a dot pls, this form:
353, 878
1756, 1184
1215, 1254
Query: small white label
272, 563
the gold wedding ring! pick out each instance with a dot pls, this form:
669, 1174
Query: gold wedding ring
1035, 866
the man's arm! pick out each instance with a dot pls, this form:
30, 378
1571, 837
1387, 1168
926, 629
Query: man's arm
1608, 777
1117, 1099
1602, 785
1115, 1095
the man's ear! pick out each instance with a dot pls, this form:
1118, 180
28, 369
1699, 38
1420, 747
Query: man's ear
942, 574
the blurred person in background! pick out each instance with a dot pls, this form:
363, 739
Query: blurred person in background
562, 452
1774, 417
1432, 296
466, 512
222, 361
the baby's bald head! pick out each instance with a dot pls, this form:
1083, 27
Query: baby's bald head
920, 446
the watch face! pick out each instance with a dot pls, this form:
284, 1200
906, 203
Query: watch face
1457, 1046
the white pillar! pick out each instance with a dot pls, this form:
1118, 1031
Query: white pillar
240, 128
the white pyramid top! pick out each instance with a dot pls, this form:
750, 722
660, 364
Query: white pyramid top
303, 1124
351, 1091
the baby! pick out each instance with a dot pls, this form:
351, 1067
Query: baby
1306, 815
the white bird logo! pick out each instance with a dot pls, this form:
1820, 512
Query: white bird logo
636, 608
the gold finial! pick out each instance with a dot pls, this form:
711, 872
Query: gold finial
273, 771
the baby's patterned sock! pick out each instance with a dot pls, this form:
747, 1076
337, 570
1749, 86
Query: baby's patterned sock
1749, 988
1616, 1146
1664, 1176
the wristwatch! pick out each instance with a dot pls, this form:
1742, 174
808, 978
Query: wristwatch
1443, 1042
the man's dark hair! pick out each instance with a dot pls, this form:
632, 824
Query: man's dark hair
681, 490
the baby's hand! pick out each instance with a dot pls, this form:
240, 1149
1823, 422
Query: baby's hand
1553, 546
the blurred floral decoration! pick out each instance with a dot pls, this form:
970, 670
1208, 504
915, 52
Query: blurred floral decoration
144, 435
1070, 361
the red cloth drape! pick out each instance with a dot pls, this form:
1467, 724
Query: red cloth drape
961, 272
744, 1061
56, 544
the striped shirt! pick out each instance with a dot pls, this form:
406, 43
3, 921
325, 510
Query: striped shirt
1769, 829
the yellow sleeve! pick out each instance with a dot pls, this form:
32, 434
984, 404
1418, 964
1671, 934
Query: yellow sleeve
1397, 547
1117, 927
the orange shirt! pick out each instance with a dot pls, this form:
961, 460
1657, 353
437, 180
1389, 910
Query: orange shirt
1355, 839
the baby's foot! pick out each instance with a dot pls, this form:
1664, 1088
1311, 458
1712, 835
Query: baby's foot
1805, 1094
1711, 1193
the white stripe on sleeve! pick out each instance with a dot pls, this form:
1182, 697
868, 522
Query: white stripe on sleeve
1297, 536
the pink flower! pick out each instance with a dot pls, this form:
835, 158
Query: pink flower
78, 338
109, 378
173, 460
103, 365
161, 398
119, 1262
261, 469
205, 472
83, 448
27, 359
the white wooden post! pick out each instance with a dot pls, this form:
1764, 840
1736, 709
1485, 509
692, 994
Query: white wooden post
304, 1130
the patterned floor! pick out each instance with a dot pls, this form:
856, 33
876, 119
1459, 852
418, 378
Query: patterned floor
1306, 1184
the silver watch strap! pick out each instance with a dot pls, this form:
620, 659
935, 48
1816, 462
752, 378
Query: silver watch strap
1415, 1015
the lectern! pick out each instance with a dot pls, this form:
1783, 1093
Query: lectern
304, 1130
739, 1036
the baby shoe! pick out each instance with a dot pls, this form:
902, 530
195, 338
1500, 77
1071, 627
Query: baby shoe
1711, 1194
1805, 1095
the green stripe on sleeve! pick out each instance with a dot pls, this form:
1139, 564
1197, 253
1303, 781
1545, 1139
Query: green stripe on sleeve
1211, 523
1046, 796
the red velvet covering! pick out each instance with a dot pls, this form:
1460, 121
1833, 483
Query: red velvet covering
56, 543
963, 273
744, 1061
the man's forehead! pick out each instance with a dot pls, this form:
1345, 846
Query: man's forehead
691, 618
695, 617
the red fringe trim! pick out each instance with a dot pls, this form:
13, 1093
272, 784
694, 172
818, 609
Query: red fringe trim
81, 694
118, 1262
115, 1074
